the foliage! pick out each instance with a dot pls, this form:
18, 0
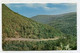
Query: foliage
66, 23
15, 25
61, 44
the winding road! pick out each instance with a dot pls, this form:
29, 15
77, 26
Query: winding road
28, 39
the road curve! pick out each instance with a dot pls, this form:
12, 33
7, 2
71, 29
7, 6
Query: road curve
28, 39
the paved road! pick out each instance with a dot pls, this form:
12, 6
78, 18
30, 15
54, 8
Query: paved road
28, 39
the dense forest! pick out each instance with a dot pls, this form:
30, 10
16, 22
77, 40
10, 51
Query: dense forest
66, 23
17, 26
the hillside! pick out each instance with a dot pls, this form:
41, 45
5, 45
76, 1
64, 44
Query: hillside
43, 18
15, 25
64, 22
20, 33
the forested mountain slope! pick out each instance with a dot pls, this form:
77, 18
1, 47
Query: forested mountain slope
17, 26
64, 22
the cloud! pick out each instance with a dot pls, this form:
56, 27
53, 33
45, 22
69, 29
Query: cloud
54, 7
42, 8
42, 5
72, 6
33, 5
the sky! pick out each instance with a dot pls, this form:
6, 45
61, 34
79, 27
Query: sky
33, 9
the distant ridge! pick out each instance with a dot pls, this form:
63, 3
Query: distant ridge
20, 33
65, 22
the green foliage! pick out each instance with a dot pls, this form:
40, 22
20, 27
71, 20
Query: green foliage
66, 23
15, 25
61, 44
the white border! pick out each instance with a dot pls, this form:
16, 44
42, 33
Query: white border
78, 26
38, 1
0, 27
43, 1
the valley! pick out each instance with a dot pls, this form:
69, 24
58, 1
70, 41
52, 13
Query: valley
41, 32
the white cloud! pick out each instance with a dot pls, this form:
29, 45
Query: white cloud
43, 5
35, 5
71, 6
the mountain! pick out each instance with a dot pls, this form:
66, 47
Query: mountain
17, 26
64, 22
43, 18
